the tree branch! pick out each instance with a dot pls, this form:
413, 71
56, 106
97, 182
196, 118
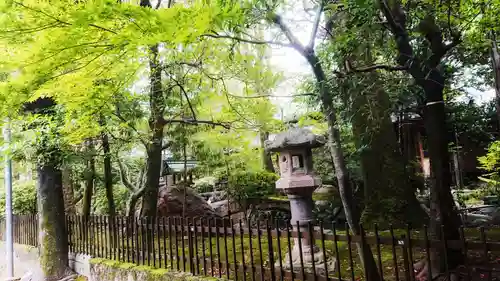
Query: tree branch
187, 98
196, 122
166, 145
393, 24
438, 55
59, 20
158, 5
77, 199
140, 179
124, 177
271, 96
371, 68
191, 64
295, 43
250, 41
316, 25
117, 114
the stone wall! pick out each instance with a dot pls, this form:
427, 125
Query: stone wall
107, 270
26, 262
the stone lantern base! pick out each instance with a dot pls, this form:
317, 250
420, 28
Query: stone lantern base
307, 260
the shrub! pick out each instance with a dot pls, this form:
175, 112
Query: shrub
244, 186
205, 184
23, 198
491, 163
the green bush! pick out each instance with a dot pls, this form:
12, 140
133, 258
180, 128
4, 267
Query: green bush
23, 198
100, 201
244, 186
205, 184
491, 164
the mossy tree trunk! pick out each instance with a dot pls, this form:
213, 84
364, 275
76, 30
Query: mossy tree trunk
52, 228
53, 237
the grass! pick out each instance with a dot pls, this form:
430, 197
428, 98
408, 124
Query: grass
246, 248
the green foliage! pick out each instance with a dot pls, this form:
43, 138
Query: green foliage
491, 163
244, 186
477, 122
23, 197
205, 184
100, 202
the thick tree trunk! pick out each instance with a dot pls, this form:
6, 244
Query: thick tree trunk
445, 221
89, 181
335, 144
52, 228
154, 149
267, 162
108, 175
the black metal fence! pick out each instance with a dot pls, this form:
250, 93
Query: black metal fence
221, 248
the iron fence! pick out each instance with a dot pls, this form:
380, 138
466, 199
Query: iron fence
233, 250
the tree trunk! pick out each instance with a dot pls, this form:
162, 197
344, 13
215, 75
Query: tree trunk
69, 195
267, 162
154, 149
89, 181
341, 172
108, 175
428, 76
52, 228
495, 60
445, 221
132, 203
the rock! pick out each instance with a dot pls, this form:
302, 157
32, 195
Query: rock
221, 207
295, 137
171, 198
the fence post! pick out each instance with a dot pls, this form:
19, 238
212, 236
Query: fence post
271, 251
405, 258
363, 250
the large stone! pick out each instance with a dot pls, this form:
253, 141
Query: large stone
171, 201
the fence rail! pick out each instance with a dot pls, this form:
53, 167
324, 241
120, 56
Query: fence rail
221, 248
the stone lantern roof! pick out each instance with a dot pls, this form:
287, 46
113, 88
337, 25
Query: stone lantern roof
295, 138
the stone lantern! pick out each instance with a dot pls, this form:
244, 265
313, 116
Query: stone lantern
299, 182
